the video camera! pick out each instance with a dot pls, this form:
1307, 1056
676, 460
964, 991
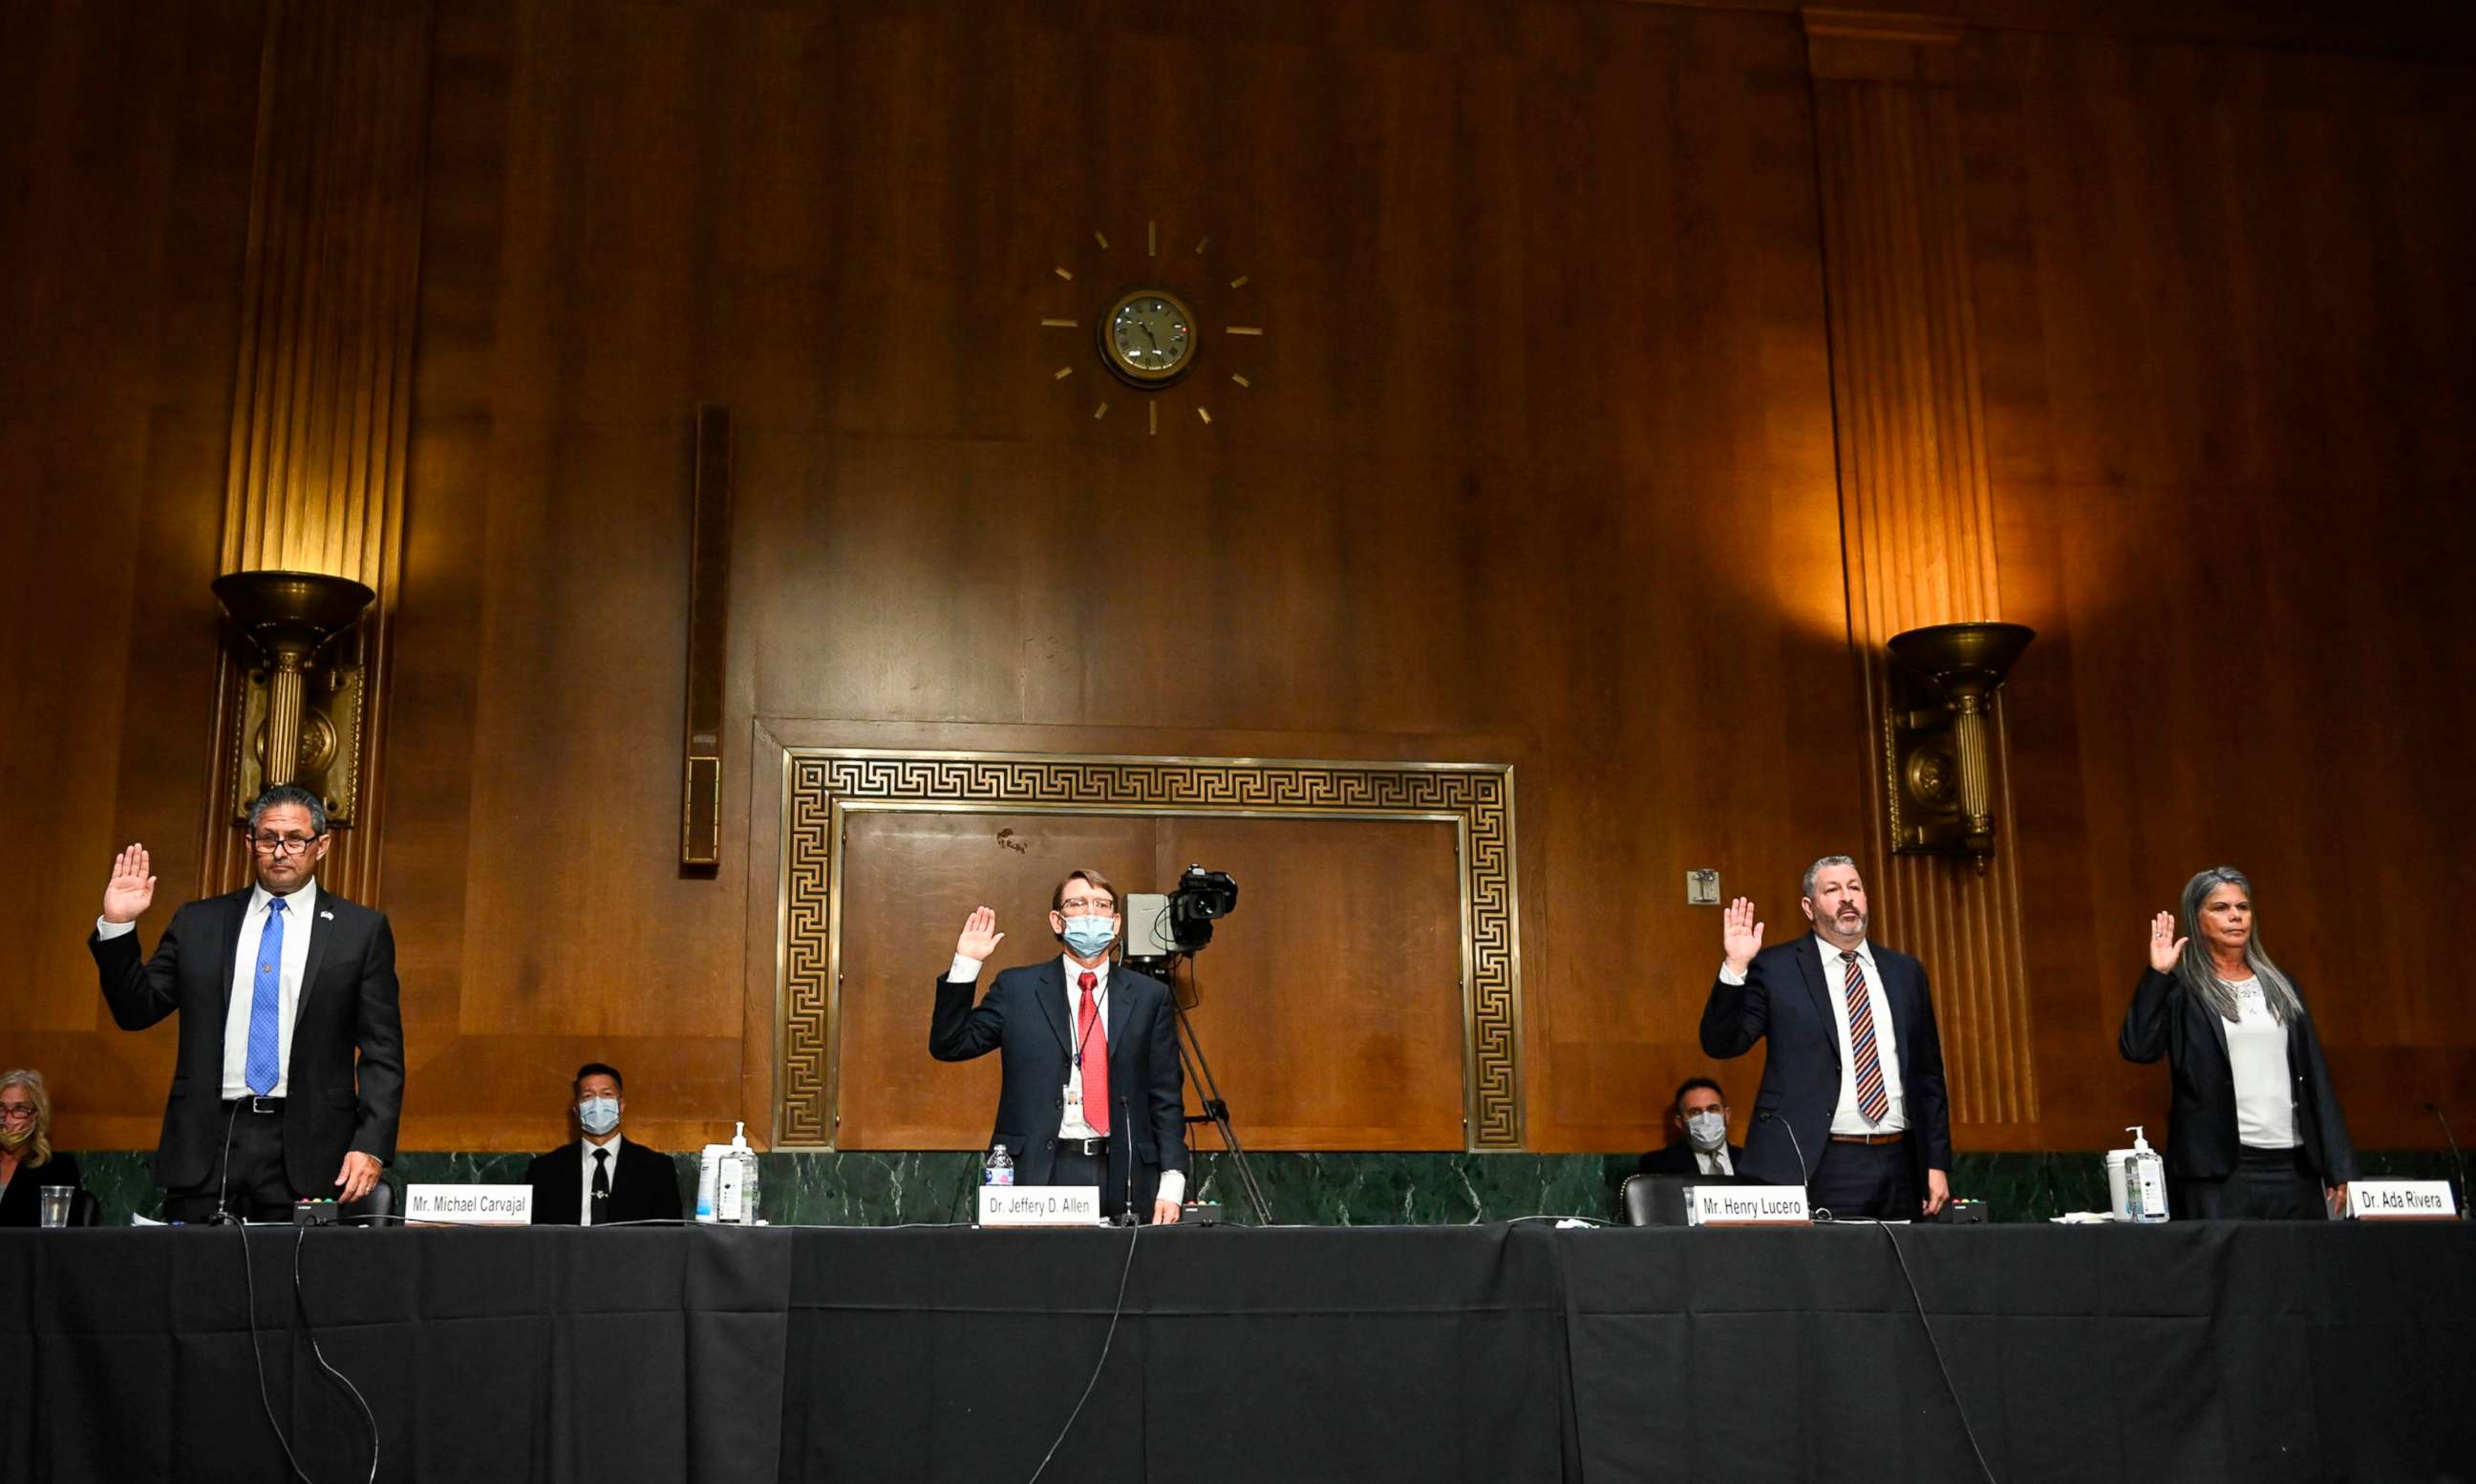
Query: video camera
1162, 925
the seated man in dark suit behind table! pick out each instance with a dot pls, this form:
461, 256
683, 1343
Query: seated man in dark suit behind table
1697, 1134
603, 1176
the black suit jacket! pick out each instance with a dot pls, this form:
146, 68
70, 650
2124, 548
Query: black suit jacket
2166, 1020
644, 1187
334, 1104
1784, 999
21, 1205
1024, 1018
1678, 1159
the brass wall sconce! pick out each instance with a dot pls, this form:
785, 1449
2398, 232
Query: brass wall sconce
297, 726
1935, 736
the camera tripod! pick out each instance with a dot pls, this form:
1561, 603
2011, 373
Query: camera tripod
1216, 1112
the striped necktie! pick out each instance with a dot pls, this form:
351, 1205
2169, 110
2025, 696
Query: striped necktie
1871, 1100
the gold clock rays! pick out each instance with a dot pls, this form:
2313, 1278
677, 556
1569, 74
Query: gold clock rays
1150, 336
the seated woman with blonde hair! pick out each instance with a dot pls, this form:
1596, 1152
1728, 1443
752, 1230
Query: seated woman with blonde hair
27, 1160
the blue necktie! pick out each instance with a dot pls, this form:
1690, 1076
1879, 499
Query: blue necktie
266, 1005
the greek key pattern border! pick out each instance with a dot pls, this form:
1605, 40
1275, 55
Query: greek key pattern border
1479, 797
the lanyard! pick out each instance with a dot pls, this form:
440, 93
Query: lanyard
1085, 1034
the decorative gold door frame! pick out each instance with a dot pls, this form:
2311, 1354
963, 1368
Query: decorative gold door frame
821, 786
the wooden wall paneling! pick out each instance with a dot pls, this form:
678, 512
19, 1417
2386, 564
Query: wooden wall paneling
1917, 504
1475, 986
2224, 464
1321, 1039
126, 142
322, 386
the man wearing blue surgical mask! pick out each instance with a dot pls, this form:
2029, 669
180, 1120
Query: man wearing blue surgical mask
1092, 1093
1698, 1133
603, 1176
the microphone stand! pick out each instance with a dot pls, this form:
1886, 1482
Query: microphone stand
2455, 1157
1803, 1177
1126, 1140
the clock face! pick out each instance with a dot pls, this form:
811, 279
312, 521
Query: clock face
1149, 337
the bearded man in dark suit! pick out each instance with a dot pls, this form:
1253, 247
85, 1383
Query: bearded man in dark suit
1852, 1103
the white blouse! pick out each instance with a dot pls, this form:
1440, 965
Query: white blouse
2257, 1049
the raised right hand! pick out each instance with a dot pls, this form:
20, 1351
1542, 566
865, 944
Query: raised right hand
131, 891
979, 937
2166, 950
1741, 937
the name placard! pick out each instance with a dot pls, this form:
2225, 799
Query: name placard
1748, 1205
2401, 1201
1040, 1206
469, 1205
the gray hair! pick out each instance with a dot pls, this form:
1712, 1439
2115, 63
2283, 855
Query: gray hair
1806, 888
2199, 972
293, 794
38, 1149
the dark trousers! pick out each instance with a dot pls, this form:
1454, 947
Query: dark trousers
1091, 1170
249, 1180
1871, 1180
2267, 1185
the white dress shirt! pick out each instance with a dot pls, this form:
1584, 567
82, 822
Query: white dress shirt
1715, 1162
300, 920
1847, 1118
2256, 1054
965, 971
584, 1177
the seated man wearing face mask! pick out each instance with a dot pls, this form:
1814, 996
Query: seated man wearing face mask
1092, 1093
603, 1176
1698, 1132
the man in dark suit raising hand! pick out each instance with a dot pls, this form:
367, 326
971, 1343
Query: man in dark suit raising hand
1092, 1093
1852, 1102
291, 1071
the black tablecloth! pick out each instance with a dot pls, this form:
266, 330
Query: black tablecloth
2191, 1351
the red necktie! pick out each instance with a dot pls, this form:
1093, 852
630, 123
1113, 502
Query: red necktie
1092, 1054
1871, 1100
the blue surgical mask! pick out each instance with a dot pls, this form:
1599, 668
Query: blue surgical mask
1088, 936
1707, 1131
598, 1115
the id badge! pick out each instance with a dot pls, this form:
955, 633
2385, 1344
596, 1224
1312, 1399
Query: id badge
1074, 1102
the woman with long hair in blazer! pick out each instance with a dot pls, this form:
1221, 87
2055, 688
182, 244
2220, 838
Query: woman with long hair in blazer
2254, 1131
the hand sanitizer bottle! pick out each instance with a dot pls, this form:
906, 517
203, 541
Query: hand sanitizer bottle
735, 1186
2145, 1180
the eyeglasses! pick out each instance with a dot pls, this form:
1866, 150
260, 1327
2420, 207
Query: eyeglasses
281, 844
17, 1112
1087, 904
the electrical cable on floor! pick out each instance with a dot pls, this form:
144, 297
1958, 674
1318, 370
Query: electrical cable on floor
301, 1305
1115, 1312
1936, 1346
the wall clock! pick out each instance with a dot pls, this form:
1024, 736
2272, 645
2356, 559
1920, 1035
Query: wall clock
1148, 337
1149, 327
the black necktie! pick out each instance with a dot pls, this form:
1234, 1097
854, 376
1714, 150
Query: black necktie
601, 1184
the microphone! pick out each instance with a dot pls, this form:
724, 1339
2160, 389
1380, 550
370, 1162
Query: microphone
1771, 1116
2455, 1157
1127, 1216
223, 1181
